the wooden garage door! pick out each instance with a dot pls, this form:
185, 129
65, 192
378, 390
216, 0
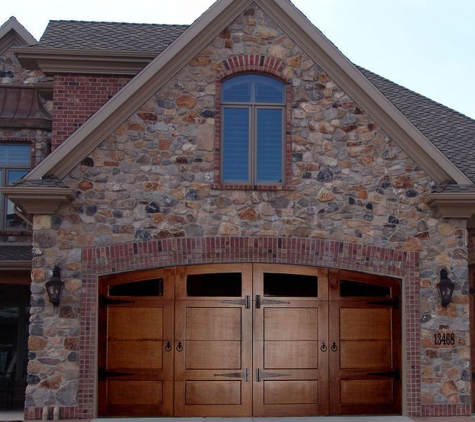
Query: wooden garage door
243, 340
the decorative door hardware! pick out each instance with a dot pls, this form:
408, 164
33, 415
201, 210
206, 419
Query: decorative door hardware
323, 347
244, 375
334, 347
179, 347
246, 302
261, 374
168, 347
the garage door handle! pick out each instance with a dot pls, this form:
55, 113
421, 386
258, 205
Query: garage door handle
334, 347
179, 347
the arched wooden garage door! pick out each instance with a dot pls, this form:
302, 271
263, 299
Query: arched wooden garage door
248, 340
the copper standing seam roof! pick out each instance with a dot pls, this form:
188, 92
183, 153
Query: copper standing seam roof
21, 107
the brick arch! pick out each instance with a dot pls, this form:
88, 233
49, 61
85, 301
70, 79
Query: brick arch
265, 65
218, 250
256, 63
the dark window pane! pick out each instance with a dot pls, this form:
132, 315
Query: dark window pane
138, 288
269, 145
14, 154
293, 285
236, 145
356, 289
9, 319
215, 284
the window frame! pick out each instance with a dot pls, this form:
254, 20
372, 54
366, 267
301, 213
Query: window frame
253, 107
5, 168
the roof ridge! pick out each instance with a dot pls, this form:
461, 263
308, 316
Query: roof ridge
119, 23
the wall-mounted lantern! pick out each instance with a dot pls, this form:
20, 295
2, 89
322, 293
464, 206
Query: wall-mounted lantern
445, 288
54, 286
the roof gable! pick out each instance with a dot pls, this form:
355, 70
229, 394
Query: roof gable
196, 37
13, 34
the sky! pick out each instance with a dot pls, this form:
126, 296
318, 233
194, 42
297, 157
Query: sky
425, 45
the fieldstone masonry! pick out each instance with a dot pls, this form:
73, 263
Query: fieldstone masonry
154, 180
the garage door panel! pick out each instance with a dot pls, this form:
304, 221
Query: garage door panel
135, 392
290, 392
291, 354
126, 323
290, 324
213, 392
135, 355
366, 391
213, 323
369, 354
374, 324
204, 355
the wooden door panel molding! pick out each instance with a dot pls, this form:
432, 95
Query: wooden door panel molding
259, 348
367, 356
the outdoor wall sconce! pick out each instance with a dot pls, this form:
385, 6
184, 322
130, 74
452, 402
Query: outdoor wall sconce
54, 286
445, 288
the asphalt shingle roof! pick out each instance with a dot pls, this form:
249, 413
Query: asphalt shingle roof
15, 253
450, 131
112, 36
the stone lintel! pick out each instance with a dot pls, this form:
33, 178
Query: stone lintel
36, 199
453, 204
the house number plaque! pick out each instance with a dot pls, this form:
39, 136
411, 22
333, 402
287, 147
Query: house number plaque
444, 339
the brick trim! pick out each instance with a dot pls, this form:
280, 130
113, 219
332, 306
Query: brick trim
194, 251
253, 63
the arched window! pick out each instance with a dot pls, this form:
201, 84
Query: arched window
252, 137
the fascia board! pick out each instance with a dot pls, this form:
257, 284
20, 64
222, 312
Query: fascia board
138, 90
348, 77
55, 61
453, 204
13, 25
37, 199
8, 265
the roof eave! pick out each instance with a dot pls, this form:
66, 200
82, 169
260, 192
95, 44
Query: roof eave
196, 37
37, 199
56, 61
453, 204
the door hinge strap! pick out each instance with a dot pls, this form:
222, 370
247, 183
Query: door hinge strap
246, 302
260, 302
244, 375
261, 374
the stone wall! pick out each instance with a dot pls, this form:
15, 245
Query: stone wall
154, 178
